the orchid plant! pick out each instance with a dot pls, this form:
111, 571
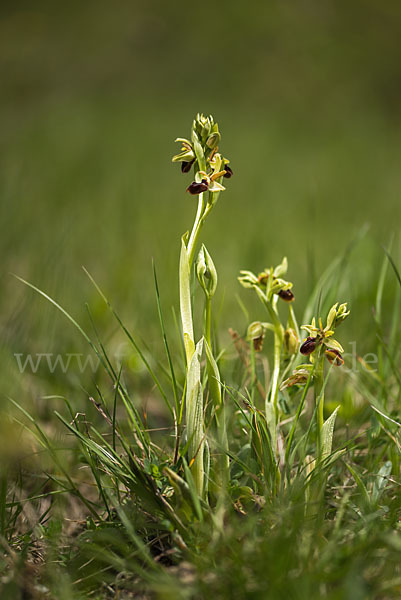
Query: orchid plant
270, 286
201, 153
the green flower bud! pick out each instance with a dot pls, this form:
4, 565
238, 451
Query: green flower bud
213, 140
291, 341
263, 277
202, 127
255, 334
282, 268
198, 150
206, 272
248, 279
331, 317
281, 285
342, 314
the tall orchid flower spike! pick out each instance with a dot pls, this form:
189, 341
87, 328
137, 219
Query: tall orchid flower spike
200, 152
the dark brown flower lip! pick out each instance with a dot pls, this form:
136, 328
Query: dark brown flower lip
258, 343
286, 295
186, 166
197, 187
228, 172
308, 346
334, 357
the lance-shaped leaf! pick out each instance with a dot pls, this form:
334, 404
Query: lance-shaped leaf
214, 376
185, 301
381, 480
327, 434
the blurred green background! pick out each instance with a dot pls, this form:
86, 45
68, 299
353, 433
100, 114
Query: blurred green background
93, 94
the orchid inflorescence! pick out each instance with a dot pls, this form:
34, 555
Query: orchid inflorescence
271, 285
201, 153
269, 281
320, 343
322, 336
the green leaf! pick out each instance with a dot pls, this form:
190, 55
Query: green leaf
194, 407
327, 434
271, 424
166, 346
214, 376
360, 484
185, 301
381, 480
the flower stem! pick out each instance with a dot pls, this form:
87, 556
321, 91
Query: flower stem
193, 238
319, 399
208, 321
276, 373
186, 261
222, 465
194, 391
278, 342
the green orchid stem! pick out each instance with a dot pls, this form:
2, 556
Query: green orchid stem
319, 399
292, 320
208, 321
214, 385
185, 281
197, 226
253, 371
278, 343
222, 467
278, 328
195, 427
276, 373
203, 210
